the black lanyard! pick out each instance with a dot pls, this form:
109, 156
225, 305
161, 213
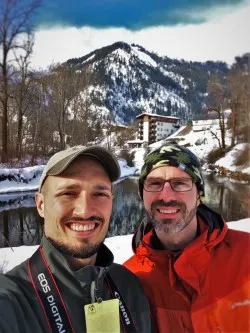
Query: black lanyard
52, 302
126, 319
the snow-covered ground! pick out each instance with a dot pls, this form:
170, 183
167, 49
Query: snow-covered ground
228, 161
200, 143
27, 179
119, 245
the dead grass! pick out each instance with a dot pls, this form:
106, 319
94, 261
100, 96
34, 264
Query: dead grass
185, 130
242, 157
214, 155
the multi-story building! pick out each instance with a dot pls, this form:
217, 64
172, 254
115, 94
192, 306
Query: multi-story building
154, 127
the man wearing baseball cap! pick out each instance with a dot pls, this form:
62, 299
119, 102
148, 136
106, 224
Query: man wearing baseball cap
71, 284
194, 269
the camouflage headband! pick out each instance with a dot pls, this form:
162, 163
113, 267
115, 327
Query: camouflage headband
176, 156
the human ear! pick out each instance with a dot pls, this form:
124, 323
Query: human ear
39, 198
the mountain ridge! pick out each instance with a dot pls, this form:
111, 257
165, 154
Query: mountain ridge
127, 80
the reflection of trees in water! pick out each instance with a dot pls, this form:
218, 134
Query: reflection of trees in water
127, 208
6, 228
21, 226
227, 198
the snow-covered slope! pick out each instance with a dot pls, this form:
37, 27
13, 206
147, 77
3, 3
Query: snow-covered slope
127, 80
201, 143
228, 161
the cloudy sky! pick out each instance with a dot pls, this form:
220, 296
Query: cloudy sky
183, 29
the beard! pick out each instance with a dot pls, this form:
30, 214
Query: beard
80, 253
172, 225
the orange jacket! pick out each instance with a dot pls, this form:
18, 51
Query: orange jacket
206, 288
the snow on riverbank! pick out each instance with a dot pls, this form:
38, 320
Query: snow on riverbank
20, 180
119, 245
27, 179
228, 162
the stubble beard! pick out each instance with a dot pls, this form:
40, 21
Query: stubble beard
84, 252
171, 226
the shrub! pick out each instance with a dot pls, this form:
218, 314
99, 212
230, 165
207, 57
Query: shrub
242, 157
214, 155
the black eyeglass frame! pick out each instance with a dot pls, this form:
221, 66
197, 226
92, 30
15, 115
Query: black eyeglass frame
170, 183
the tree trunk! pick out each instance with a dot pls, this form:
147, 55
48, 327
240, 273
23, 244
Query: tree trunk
6, 228
222, 129
62, 141
5, 152
19, 135
233, 127
21, 226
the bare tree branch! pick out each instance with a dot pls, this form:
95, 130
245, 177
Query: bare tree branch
15, 26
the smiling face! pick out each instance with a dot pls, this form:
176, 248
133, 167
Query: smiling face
76, 206
171, 212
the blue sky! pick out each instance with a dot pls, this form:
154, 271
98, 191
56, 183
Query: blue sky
183, 29
130, 14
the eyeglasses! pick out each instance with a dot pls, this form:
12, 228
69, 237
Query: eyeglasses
177, 184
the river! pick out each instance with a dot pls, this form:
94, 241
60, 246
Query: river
21, 225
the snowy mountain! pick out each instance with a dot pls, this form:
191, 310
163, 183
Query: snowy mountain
126, 80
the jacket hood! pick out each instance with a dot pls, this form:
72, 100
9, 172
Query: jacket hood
210, 217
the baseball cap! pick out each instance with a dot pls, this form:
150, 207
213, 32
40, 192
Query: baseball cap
61, 160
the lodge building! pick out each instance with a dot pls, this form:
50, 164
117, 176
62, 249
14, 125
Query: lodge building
153, 127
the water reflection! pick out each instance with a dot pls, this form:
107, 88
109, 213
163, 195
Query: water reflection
127, 208
227, 198
21, 225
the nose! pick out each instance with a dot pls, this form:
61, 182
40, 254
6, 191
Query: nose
82, 205
167, 193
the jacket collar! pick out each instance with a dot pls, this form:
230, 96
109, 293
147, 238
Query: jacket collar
216, 228
76, 280
193, 260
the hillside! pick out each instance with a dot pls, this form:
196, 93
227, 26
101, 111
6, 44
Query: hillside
126, 80
235, 164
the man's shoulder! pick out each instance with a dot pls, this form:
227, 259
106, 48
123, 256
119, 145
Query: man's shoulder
8, 302
238, 242
140, 261
238, 237
13, 306
9, 289
11, 280
6, 282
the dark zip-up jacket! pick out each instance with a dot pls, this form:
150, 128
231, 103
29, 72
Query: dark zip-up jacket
205, 287
21, 312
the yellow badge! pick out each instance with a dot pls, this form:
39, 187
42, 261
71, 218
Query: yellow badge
103, 317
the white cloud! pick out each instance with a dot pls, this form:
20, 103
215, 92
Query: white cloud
225, 35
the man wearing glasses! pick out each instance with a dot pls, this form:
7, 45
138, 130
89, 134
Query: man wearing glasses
195, 271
